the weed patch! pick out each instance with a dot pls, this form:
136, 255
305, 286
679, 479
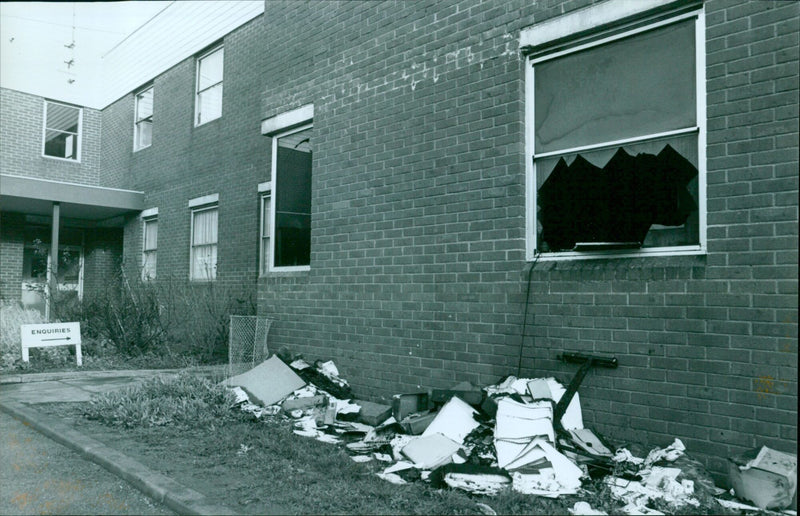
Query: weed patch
181, 400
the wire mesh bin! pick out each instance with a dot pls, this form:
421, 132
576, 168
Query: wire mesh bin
247, 344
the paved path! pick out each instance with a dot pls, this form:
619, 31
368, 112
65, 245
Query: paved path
37, 492
39, 476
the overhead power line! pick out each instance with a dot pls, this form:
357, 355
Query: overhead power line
62, 24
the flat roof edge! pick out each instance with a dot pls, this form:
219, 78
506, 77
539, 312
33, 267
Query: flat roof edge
62, 191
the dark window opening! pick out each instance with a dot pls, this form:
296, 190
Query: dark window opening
584, 207
293, 200
61, 131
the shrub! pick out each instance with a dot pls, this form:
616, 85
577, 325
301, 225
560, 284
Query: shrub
198, 317
128, 315
12, 316
180, 400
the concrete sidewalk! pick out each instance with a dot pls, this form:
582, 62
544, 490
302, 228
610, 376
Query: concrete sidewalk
19, 397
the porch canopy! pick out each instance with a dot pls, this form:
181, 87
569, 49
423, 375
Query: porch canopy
38, 197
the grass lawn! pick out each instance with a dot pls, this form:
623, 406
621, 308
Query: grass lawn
278, 468
252, 465
64, 360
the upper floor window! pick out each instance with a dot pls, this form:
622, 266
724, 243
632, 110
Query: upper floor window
149, 247
143, 130
62, 131
208, 103
618, 143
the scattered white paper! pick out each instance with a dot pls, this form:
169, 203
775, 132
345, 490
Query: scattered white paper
361, 458
241, 396
584, 509
484, 483
345, 406
454, 421
399, 466
383, 457
328, 368
738, 506
392, 477
299, 364
523, 420
430, 451
624, 455
669, 454
539, 388
543, 483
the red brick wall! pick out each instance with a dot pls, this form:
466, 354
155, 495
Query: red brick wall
227, 156
102, 254
21, 134
418, 273
418, 276
12, 238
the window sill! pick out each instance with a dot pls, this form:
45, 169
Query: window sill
137, 149
622, 253
285, 272
68, 160
207, 122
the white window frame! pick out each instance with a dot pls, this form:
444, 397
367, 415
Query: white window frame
137, 120
265, 218
77, 158
198, 91
532, 252
148, 217
274, 164
197, 206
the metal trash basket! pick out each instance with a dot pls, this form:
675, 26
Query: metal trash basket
247, 344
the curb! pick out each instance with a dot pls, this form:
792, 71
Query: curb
161, 488
115, 373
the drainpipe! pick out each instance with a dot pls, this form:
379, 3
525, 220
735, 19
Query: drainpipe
53, 287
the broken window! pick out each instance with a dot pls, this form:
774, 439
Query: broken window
616, 156
292, 158
143, 134
62, 131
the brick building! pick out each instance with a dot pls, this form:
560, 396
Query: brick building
492, 184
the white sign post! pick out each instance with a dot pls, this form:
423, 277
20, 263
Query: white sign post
48, 335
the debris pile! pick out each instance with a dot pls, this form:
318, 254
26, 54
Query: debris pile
511, 435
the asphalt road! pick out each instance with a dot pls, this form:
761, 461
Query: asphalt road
40, 476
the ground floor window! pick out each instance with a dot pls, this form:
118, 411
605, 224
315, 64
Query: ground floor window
149, 248
617, 139
264, 236
204, 244
291, 165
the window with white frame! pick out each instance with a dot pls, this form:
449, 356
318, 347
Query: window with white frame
143, 130
264, 231
149, 247
208, 102
204, 243
617, 145
62, 131
290, 246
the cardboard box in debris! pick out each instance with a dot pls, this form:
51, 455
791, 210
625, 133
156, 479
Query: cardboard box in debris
483, 440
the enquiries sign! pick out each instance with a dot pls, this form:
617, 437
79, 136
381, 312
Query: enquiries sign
47, 335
